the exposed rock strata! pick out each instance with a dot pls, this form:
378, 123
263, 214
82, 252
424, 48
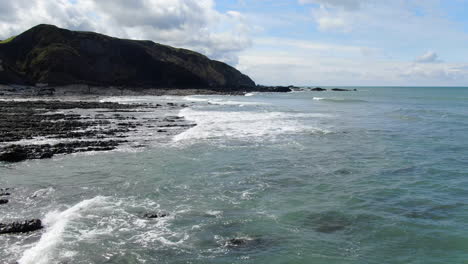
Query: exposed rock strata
77, 126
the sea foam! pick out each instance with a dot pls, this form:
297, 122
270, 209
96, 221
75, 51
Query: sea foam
55, 224
245, 124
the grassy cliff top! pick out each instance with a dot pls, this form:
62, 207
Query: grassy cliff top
7, 40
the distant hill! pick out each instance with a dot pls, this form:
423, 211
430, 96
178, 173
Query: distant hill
50, 55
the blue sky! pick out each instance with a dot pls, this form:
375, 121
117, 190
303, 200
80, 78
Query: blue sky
300, 42
357, 42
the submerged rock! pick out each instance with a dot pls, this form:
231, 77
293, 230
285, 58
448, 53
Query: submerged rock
329, 222
330, 227
155, 215
243, 242
3, 201
21, 227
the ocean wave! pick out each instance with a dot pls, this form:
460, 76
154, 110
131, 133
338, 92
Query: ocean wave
55, 223
221, 101
243, 124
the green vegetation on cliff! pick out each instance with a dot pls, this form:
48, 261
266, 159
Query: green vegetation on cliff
7, 40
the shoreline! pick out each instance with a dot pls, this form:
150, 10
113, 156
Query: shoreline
40, 129
90, 90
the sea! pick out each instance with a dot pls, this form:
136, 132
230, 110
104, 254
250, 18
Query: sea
378, 175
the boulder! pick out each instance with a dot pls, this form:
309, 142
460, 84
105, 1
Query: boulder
21, 227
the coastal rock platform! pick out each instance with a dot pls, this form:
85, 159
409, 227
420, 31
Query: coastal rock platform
40, 129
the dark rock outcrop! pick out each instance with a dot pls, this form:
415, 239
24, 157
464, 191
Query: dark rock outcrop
275, 89
46, 55
155, 215
245, 243
21, 227
14, 154
3, 201
17, 153
342, 90
318, 89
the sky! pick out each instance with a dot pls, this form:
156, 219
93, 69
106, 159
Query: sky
283, 42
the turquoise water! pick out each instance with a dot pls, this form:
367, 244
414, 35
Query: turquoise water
374, 176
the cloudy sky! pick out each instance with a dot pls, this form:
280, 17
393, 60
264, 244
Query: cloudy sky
300, 42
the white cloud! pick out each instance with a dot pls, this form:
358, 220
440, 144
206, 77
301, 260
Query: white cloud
385, 20
428, 57
333, 21
193, 24
343, 4
443, 73
276, 61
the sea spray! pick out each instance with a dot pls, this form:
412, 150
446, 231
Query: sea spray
56, 222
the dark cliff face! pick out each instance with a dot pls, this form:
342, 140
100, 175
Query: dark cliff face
48, 54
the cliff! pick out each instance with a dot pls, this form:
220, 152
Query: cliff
50, 55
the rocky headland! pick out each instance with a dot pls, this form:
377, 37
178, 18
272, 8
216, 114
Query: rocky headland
47, 60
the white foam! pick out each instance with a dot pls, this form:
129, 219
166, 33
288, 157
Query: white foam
245, 124
222, 100
55, 223
317, 98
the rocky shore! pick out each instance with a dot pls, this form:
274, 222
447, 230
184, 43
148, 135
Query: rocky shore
40, 129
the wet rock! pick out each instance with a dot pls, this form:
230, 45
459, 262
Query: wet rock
236, 242
318, 89
244, 243
4, 193
155, 215
48, 151
21, 120
342, 90
21, 227
15, 154
3, 201
46, 155
276, 89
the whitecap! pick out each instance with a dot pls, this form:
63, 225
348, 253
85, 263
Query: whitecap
245, 124
55, 224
